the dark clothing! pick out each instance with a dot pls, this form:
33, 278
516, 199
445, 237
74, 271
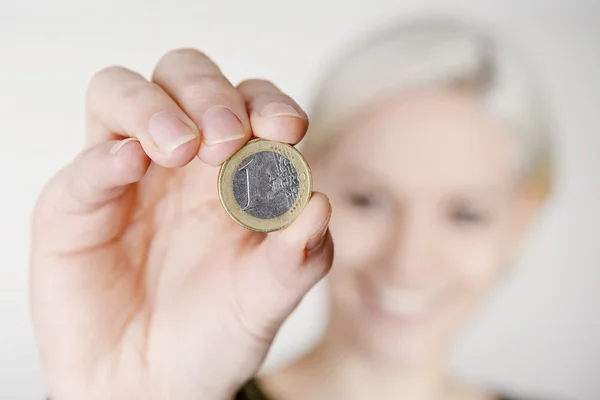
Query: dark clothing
251, 391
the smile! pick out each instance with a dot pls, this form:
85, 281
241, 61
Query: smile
399, 304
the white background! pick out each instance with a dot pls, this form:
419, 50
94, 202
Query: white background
539, 334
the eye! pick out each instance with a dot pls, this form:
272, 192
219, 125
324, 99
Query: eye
364, 200
469, 215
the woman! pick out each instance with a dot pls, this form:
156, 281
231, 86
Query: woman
428, 143
428, 140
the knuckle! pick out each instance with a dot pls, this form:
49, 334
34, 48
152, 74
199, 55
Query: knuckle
187, 57
147, 92
183, 52
138, 102
200, 87
131, 99
106, 74
258, 85
99, 80
116, 82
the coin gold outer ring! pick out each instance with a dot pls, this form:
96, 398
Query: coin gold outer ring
225, 185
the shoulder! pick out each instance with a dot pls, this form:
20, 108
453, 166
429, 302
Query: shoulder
252, 391
500, 397
507, 396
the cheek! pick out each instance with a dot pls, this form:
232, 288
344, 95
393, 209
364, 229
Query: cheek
475, 258
470, 265
356, 240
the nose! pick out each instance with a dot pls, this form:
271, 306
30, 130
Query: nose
409, 255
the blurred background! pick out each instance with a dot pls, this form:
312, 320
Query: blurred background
539, 332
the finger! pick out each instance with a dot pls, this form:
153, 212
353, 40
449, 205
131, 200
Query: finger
211, 101
81, 203
121, 103
273, 114
298, 257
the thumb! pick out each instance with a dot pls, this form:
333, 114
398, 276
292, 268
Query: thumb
83, 205
288, 264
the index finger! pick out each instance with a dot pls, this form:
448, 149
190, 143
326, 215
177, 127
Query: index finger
120, 103
196, 83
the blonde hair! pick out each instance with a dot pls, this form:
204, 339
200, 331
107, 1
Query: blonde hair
436, 52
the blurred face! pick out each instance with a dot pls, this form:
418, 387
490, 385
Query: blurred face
426, 214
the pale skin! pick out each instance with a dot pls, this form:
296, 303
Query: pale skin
143, 287
429, 214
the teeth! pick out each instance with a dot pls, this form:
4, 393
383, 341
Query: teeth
404, 302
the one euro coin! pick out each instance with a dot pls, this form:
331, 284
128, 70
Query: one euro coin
265, 185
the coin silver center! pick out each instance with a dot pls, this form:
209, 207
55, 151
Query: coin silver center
265, 185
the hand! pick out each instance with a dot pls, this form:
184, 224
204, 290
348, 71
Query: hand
142, 286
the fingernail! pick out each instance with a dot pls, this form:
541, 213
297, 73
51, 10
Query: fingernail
276, 109
220, 125
318, 238
168, 131
117, 146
